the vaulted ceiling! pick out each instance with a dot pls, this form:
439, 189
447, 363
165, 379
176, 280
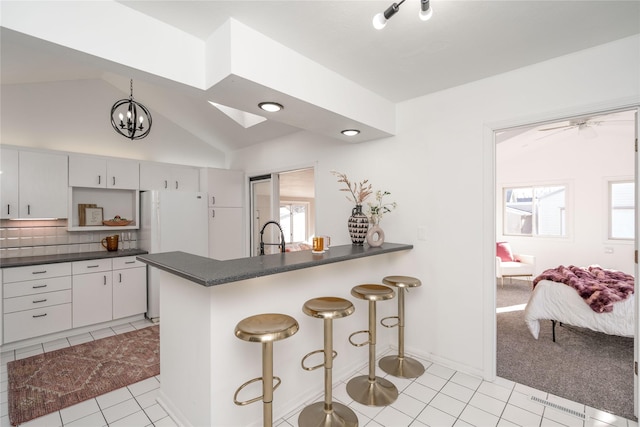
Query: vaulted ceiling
322, 59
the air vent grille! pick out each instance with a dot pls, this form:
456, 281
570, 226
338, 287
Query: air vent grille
561, 408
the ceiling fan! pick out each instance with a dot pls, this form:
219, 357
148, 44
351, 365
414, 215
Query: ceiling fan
585, 127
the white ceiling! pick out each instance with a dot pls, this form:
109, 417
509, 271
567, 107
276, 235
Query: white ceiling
463, 42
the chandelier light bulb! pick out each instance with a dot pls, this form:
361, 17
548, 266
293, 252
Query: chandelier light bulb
379, 21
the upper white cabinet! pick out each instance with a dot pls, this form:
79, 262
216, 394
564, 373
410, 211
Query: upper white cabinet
97, 172
9, 183
225, 187
160, 176
38, 179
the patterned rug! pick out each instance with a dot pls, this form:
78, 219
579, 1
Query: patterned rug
48, 382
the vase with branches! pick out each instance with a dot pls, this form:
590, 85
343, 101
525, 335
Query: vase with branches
358, 223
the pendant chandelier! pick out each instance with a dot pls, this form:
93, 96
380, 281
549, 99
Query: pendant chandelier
128, 118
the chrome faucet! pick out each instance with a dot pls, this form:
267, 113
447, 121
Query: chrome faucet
262, 243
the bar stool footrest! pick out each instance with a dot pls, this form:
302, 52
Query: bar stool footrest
360, 344
313, 368
255, 399
396, 318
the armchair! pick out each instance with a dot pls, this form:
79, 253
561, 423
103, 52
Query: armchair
510, 265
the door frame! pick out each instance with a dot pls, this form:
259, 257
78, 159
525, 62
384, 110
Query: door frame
489, 235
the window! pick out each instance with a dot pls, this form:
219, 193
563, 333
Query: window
621, 210
293, 220
535, 211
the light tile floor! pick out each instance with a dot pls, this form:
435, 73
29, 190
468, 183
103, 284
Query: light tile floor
440, 397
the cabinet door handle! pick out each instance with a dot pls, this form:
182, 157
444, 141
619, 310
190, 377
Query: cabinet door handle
28, 209
114, 181
105, 280
93, 266
213, 200
39, 301
165, 184
8, 209
39, 272
129, 262
120, 277
39, 286
99, 179
213, 213
39, 315
176, 185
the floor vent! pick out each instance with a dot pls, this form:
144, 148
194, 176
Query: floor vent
561, 408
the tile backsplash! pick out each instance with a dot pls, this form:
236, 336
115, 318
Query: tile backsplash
51, 237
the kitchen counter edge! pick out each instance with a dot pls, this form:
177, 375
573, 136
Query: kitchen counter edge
211, 272
54, 259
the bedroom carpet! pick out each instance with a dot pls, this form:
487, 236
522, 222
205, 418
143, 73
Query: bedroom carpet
583, 366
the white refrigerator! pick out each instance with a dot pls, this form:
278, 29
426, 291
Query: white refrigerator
171, 221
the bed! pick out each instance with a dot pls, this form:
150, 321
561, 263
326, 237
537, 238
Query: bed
610, 312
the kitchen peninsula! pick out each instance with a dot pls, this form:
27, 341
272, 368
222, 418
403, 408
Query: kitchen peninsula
202, 299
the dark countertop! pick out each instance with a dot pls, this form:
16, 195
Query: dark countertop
52, 259
210, 272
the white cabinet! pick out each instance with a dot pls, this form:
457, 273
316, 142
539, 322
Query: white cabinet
98, 172
8, 183
108, 289
129, 287
40, 180
92, 289
225, 187
226, 233
160, 176
36, 300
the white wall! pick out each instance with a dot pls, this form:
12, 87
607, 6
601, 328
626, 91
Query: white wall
440, 169
74, 116
585, 166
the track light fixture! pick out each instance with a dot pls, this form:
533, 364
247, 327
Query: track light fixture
380, 20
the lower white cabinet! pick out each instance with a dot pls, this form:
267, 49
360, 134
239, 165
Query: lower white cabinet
36, 300
129, 287
43, 299
92, 289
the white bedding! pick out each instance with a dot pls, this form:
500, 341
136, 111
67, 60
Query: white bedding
557, 301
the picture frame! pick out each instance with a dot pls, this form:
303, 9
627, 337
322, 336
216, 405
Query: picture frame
93, 216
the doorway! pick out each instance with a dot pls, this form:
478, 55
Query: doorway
553, 153
288, 198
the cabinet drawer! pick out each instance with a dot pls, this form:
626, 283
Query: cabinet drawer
92, 266
41, 271
127, 262
33, 287
30, 302
33, 323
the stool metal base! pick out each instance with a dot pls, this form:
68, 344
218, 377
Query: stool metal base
315, 415
379, 392
402, 367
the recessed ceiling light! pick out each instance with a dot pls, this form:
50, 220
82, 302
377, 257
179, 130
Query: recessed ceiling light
271, 107
350, 132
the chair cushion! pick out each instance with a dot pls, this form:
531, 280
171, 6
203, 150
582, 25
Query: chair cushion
516, 269
503, 251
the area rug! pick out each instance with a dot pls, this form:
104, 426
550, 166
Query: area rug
48, 382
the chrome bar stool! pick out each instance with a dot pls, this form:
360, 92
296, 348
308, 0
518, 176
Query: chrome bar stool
371, 390
400, 365
265, 328
327, 413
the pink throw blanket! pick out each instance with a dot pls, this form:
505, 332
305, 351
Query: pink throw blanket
599, 288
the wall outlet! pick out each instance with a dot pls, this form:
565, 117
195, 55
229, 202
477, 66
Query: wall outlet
608, 250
